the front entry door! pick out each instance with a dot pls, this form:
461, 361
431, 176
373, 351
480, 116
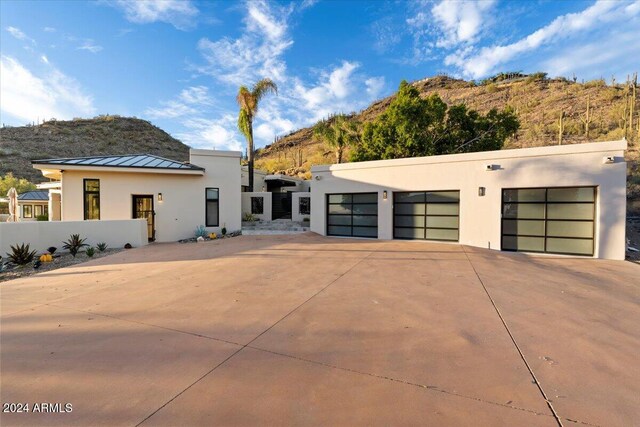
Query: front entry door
143, 208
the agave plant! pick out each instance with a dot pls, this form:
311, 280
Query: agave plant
201, 231
74, 244
90, 251
102, 246
21, 255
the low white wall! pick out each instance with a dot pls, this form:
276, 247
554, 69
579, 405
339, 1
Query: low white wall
267, 204
42, 234
480, 216
295, 206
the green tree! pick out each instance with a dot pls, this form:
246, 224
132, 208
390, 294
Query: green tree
338, 133
413, 126
20, 184
248, 101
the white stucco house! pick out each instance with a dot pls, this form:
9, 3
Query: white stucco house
568, 200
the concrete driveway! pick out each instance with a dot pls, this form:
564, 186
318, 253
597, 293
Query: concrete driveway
306, 330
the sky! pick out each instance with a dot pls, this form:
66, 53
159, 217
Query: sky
179, 63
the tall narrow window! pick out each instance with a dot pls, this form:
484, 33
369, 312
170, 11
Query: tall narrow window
27, 211
91, 199
304, 206
212, 207
257, 205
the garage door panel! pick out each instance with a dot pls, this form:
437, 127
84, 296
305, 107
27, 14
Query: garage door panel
410, 197
366, 198
410, 209
570, 246
563, 217
339, 220
526, 227
443, 209
365, 232
442, 234
523, 210
570, 229
442, 222
368, 209
443, 197
410, 221
334, 230
366, 220
408, 233
570, 211
340, 198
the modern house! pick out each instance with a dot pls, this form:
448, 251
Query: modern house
559, 199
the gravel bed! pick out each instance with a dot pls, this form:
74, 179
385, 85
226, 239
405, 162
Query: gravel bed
61, 260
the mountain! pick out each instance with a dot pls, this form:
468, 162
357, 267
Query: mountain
538, 102
102, 135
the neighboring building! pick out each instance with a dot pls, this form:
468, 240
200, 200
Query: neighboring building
33, 204
174, 197
568, 199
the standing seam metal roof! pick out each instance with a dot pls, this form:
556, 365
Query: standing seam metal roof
34, 195
148, 161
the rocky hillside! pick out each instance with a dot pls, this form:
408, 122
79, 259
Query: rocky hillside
103, 135
539, 103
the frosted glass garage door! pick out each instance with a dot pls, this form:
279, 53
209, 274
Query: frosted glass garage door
555, 220
352, 215
426, 215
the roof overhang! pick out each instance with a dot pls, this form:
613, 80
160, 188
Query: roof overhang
54, 171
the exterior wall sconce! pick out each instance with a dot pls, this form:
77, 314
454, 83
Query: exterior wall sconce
384, 195
159, 197
481, 191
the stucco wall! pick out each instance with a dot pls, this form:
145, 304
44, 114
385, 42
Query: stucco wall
42, 234
267, 204
295, 206
31, 203
183, 206
480, 217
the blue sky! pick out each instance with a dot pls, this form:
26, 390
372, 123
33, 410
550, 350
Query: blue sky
179, 63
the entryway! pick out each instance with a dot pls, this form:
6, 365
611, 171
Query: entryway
143, 208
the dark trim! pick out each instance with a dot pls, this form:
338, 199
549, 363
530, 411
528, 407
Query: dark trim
545, 219
426, 214
206, 207
153, 212
64, 162
84, 198
351, 214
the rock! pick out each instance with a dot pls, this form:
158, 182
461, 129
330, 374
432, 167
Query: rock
200, 239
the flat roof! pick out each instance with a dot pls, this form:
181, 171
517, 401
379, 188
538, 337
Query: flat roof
40, 195
143, 161
549, 150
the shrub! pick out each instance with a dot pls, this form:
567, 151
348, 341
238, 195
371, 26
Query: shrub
74, 244
249, 217
90, 251
201, 231
306, 219
224, 230
42, 218
102, 246
21, 255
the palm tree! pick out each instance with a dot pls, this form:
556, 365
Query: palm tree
248, 101
338, 134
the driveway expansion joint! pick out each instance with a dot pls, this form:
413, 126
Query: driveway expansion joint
515, 343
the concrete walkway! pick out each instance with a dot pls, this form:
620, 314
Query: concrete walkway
306, 330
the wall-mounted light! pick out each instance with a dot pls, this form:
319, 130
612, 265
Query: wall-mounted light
609, 159
481, 191
384, 195
159, 197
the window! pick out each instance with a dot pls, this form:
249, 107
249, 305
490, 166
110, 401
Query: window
556, 220
27, 211
257, 205
305, 206
45, 210
91, 199
37, 210
212, 207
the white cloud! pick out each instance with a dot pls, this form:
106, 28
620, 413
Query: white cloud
216, 134
375, 85
25, 96
185, 104
179, 13
476, 64
18, 34
460, 21
90, 46
256, 54
44, 59
49, 30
